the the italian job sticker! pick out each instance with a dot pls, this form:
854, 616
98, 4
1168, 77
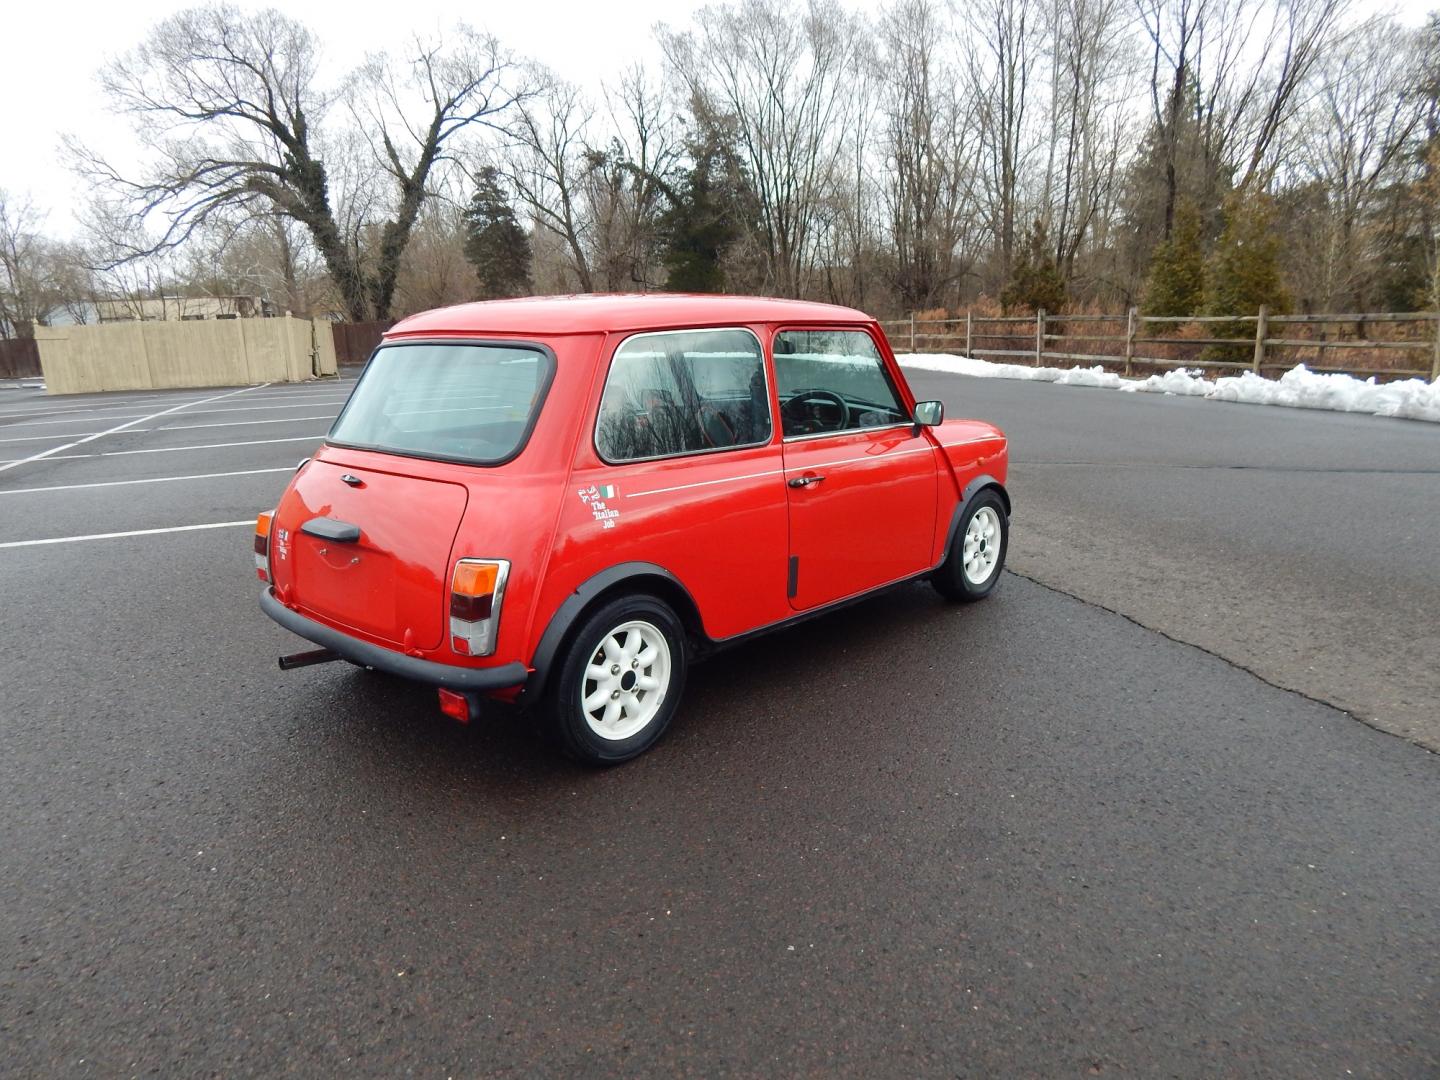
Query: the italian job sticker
597, 497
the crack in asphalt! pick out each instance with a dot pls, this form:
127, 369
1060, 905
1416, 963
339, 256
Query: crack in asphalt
1250, 468
1222, 658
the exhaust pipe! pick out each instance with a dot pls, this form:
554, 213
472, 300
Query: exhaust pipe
305, 659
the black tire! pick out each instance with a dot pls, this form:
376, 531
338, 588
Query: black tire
568, 721
950, 579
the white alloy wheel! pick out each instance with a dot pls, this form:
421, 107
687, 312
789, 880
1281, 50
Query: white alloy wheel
625, 682
982, 545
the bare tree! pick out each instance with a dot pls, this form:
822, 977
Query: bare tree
267, 256
1005, 53
626, 182
1299, 33
1357, 138
545, 163
435, 270
28, 293
928, 148
227, 103
851, 219
412, 112
1092, 62
1232, 70
782, 76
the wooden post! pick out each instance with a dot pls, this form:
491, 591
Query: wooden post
1260, 330
1435, 357
1039, 335
912, 331
968, 339
1129, 339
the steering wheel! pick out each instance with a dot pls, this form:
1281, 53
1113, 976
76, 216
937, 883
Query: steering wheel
795, 411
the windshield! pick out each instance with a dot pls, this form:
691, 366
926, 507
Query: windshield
473, 403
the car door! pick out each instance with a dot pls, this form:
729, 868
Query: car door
861, 483
685, 473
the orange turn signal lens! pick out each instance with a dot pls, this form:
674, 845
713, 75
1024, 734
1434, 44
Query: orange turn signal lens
475, 578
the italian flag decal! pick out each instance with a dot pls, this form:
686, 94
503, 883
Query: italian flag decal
607, 491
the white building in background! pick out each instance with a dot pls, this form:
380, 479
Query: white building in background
184, 308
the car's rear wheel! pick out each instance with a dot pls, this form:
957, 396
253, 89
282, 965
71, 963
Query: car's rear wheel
977, 555
619, 681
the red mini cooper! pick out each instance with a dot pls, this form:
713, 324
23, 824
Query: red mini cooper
564, 501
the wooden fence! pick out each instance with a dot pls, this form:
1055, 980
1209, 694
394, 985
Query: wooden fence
19, 358
1138, 341
354, 342
167, 353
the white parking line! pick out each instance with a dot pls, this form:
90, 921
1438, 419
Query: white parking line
177, 427
211, 446
134, 532
53, 438
332, 390
167, 449
147, 480
268, 408
80, 420
197, 412
94, 408
97, 412
97, 408
238, 423
122, 427
56, 457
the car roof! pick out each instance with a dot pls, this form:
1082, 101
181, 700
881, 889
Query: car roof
618, 311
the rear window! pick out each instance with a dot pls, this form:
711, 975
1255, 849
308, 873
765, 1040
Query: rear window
683, 392
472, 403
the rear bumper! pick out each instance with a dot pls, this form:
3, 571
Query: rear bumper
450, 676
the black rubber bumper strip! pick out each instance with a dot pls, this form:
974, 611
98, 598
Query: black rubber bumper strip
449, 676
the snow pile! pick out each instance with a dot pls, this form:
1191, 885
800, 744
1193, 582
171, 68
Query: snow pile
1180, 381
969, 365
1298, 388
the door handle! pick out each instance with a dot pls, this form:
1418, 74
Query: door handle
804, 481
341, 532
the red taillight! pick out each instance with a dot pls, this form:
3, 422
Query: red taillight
471, 608
262, 546
454, 705
476, 590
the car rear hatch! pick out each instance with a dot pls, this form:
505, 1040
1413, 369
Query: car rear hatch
368, 549
362, 538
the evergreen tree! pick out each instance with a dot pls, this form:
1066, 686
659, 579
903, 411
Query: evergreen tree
495, 243
1035, 281
1176, 285
698, 226
1244, 269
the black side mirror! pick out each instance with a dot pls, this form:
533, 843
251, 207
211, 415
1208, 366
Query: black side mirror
929, 413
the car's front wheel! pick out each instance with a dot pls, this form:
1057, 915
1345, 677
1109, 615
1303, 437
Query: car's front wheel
619, 682
977, 554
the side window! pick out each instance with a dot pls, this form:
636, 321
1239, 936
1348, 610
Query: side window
833, 380
682, 393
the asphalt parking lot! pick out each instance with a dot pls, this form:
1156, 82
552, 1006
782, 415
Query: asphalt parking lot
1027, 838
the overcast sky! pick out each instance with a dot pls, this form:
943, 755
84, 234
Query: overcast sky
54, 47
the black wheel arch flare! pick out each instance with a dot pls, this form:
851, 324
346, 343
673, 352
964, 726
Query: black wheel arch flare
622, 577
982, 483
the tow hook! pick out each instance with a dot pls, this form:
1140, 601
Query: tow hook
305, 659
